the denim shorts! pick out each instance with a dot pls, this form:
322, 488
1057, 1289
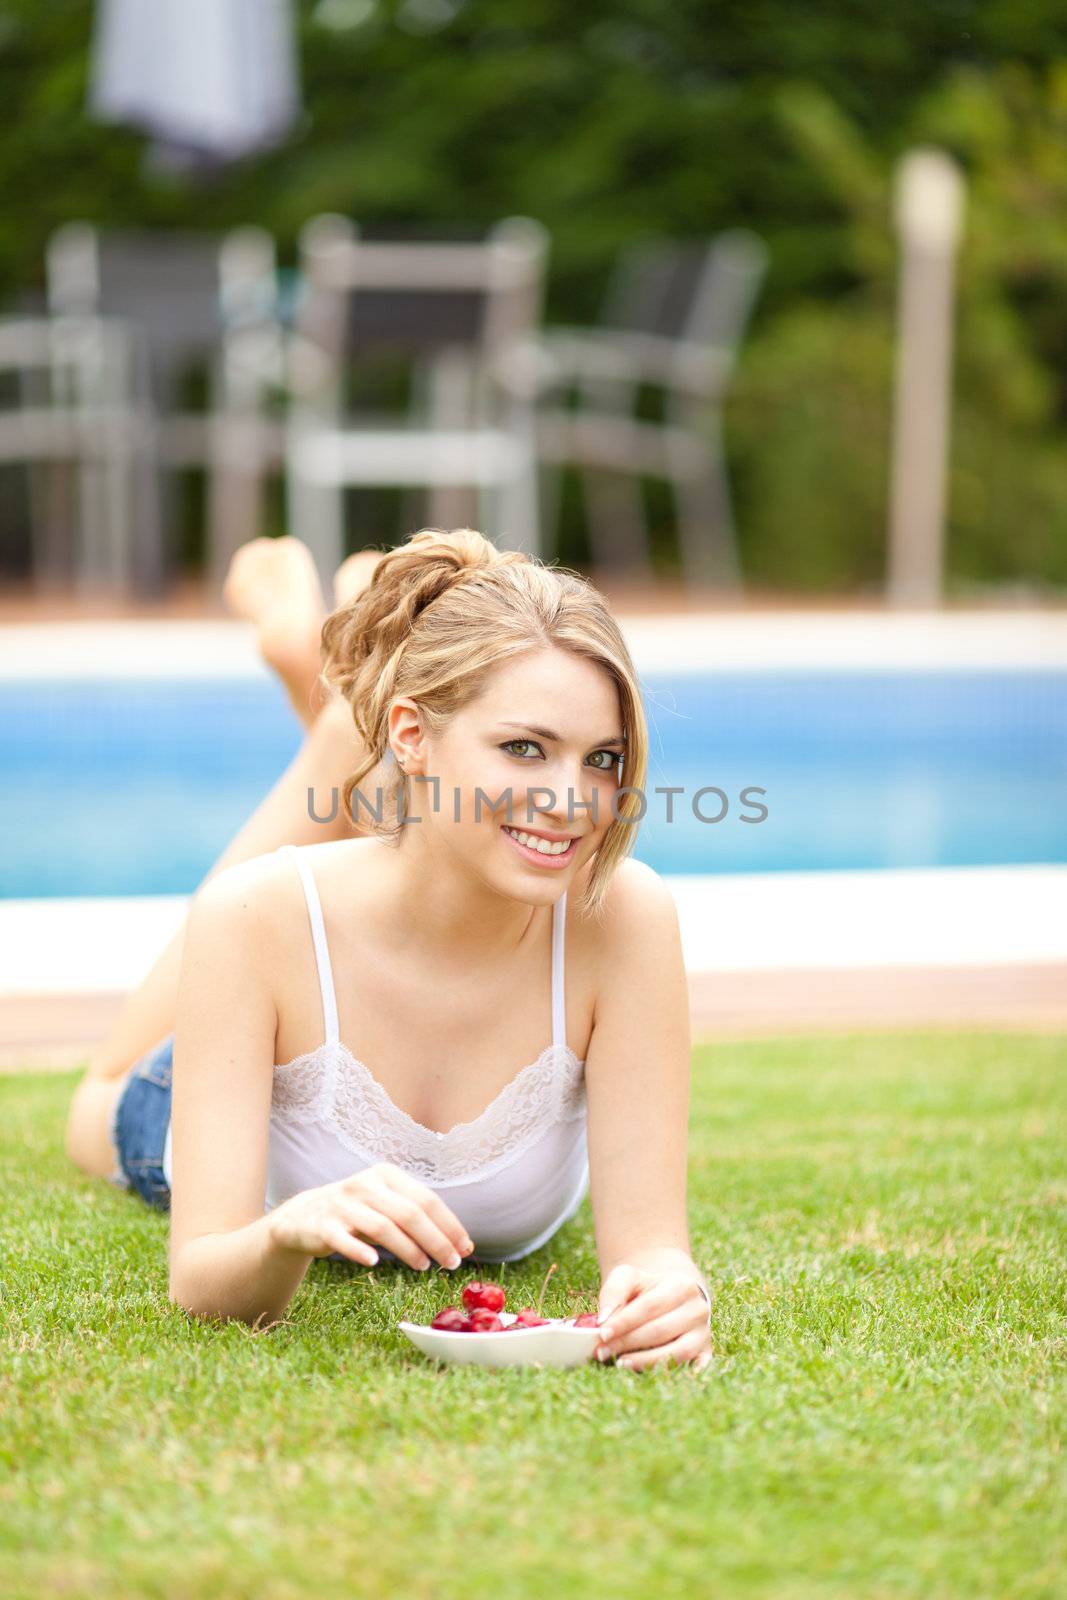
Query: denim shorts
140, 1124
139, 1127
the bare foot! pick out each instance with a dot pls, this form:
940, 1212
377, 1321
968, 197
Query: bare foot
354, 574
275, 584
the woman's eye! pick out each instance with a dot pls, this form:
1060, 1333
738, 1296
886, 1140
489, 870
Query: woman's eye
614, 759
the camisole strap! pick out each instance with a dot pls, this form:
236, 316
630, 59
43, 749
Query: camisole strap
322, 951
559, 998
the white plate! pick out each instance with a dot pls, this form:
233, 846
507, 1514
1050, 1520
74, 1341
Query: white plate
558, 1344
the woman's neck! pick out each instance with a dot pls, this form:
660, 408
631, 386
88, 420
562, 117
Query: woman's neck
432, 905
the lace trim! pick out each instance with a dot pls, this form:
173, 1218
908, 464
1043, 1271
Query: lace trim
329, 1086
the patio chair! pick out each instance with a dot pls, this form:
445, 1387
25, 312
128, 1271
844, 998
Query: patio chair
464, 315
198, 303
671, 321
79, 426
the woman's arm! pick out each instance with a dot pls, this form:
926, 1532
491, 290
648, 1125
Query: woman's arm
637, 1083
223, 1261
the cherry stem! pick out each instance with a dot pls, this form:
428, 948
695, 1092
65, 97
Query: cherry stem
544, 1286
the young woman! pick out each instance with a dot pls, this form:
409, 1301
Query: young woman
425, 1025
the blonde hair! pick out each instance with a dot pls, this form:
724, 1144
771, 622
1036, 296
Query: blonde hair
440, 612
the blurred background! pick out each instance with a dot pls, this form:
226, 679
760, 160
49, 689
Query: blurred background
757, 315
614, 127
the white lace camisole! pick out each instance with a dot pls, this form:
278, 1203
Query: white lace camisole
513, 1176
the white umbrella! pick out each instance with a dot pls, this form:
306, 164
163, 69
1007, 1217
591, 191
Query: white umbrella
216, 77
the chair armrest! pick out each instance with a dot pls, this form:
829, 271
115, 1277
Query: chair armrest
47, 343
576, 355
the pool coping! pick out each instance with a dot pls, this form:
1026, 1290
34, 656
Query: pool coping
683, 642
730, 922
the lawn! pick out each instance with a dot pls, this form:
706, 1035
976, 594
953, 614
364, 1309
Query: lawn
882, 1219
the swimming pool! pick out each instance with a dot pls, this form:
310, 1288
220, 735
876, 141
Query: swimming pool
123, 786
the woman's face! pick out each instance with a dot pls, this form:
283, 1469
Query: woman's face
546, 734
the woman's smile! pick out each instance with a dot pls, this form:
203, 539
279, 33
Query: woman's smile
542, 851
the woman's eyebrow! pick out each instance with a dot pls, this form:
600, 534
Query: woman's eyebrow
546, 733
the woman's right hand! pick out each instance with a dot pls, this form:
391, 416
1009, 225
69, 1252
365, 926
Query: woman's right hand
382, 1205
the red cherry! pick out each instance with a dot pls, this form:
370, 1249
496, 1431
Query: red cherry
586, 1320
451, 1320
485, 1321
483, 1296
528, 1318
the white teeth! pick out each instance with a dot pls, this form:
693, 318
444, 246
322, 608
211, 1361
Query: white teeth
544, 847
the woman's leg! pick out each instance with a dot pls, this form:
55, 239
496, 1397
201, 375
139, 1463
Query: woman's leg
330, 750
275, 584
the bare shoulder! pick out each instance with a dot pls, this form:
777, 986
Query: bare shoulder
637, 918
636, 892
263, 898
248, 891
266, 885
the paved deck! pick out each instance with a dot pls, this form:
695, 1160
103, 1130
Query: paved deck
56, 1032
191, 598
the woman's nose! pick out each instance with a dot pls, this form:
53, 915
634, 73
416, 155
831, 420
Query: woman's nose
573, 801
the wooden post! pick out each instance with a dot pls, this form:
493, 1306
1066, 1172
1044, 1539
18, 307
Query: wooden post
928, 214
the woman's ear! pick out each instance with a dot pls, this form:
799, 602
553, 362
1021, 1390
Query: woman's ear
405, 733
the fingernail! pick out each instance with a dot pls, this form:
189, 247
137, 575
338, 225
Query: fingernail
603, 1355
468, 1246
607, 1333
452, 1260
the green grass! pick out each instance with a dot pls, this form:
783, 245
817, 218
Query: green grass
882, 1220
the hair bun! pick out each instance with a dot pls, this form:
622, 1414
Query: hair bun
407, 580
434, 561
464, 549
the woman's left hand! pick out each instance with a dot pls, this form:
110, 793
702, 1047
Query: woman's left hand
654, 1316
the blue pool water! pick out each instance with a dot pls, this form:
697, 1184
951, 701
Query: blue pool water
114, 787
